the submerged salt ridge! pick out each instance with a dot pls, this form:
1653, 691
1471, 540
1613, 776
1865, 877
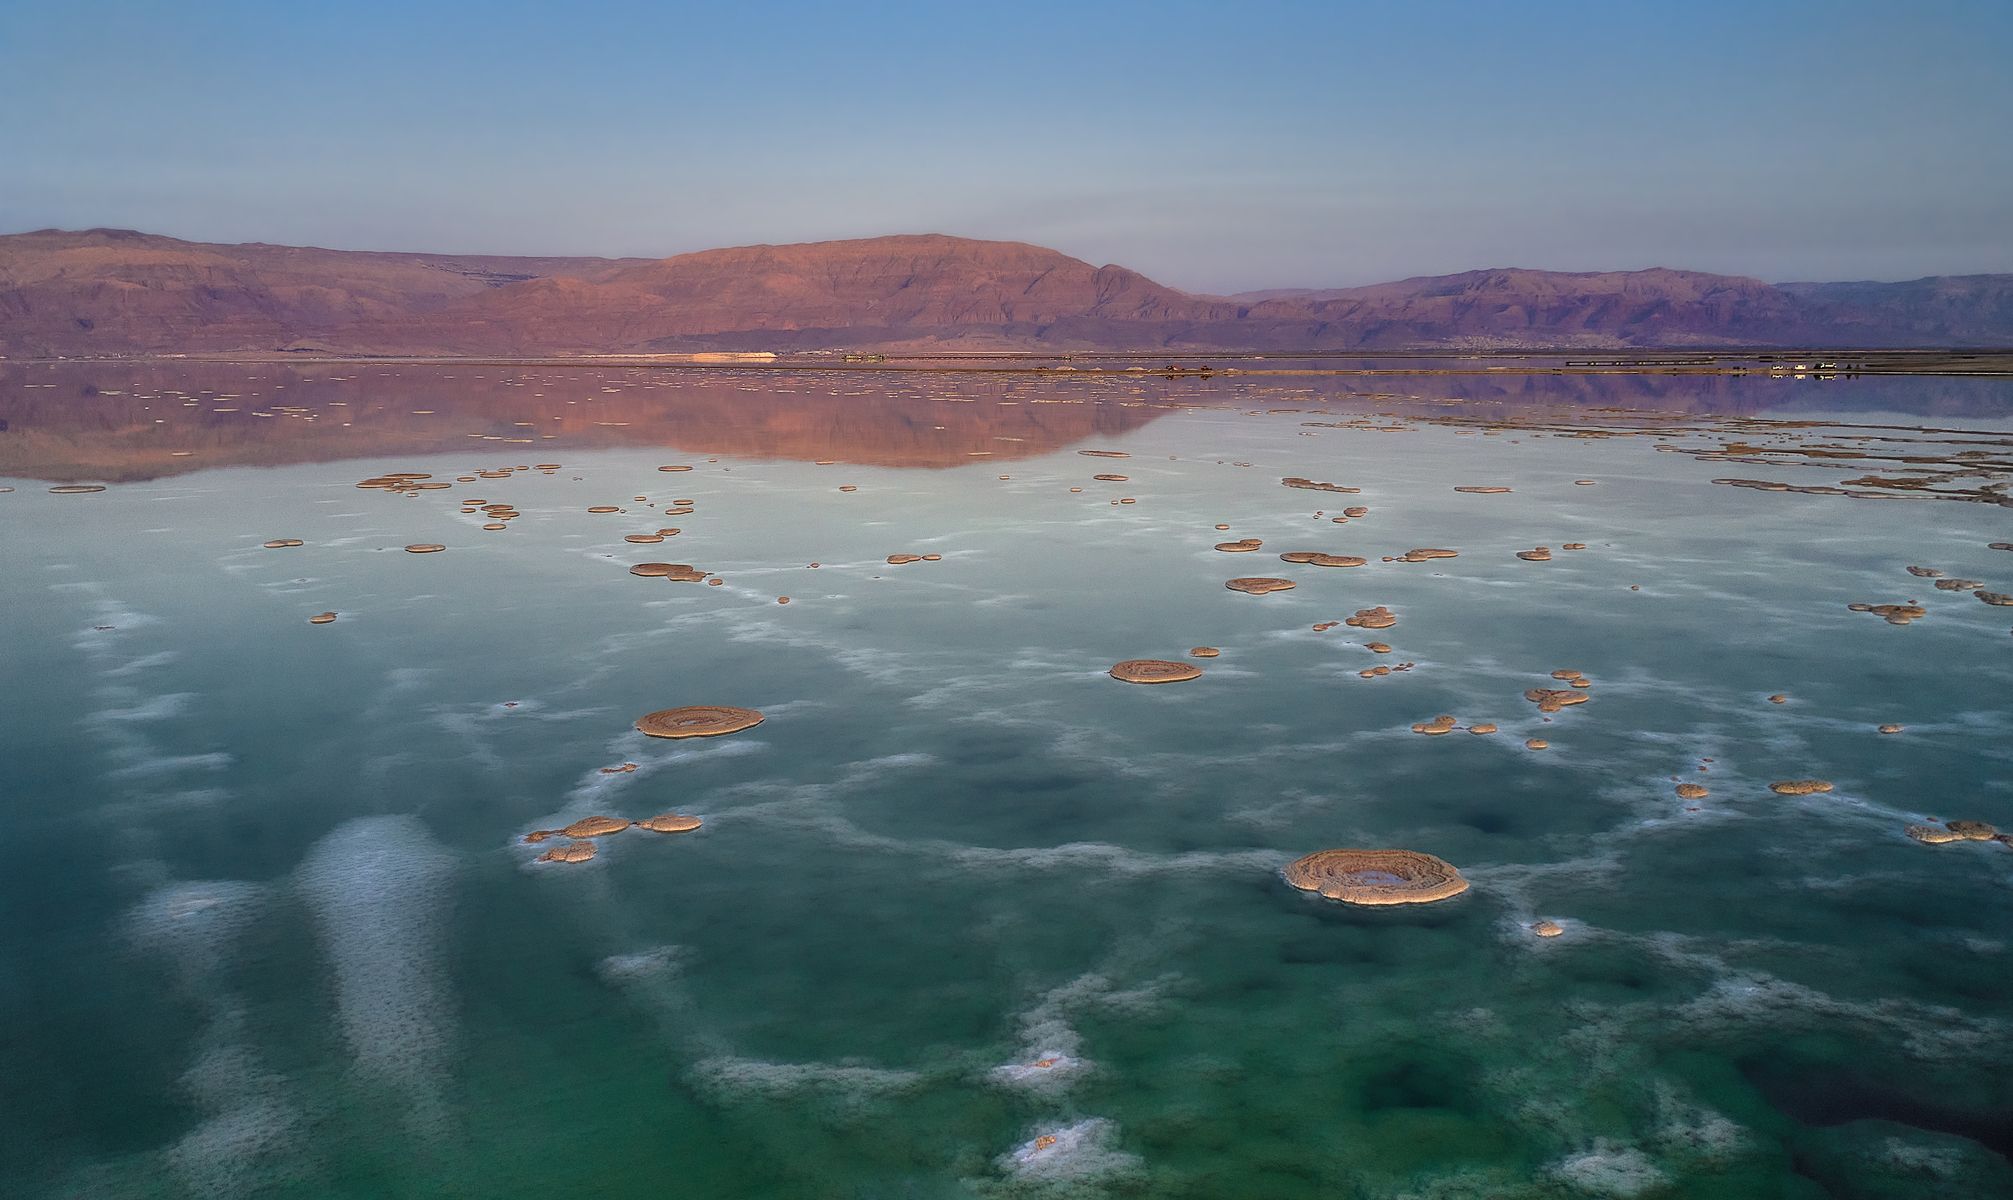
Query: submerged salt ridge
966, 915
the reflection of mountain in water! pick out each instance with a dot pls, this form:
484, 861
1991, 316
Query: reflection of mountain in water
131, 421
142, 420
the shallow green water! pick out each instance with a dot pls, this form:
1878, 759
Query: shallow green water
272, 930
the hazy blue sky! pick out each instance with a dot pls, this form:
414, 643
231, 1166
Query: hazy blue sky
1213, 146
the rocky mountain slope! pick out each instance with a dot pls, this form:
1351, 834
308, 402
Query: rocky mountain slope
115, 292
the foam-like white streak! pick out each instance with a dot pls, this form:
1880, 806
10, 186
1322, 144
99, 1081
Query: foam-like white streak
1751, 1001
656, 963
1094, 860
378, 888
231, 1154
194, 925
1050, 1046
146, 662
1111, 860
157, 708
168, 764
1085, 1150
758, 1077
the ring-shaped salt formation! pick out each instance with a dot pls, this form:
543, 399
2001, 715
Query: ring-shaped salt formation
698, 720
1258, 585
76, 489
1376, 878
1154, 670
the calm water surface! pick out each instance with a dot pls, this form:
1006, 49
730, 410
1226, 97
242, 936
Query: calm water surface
272, 929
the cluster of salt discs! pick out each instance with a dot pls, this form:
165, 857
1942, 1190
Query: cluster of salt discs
282, 543
902, 560
1318, 559
583, 832
1424, 554
1379, 617
1799, 787
1310, 485
1380, 671
1240, 546
1893, 614
1539, 554
1376, 878
675, 572
1551, 700
1154, 670
1957, 831
401, 481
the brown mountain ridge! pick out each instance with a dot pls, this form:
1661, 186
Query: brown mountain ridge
104, 292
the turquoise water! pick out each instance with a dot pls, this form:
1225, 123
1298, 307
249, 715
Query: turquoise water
273, 931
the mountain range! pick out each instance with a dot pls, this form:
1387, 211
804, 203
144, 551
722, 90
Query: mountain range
111, 293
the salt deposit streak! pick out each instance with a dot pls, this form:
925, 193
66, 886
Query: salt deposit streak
1084, 1150
1048, 1069
753, 1076
378, 890
1609, 1169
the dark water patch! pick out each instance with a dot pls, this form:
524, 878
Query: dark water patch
1823, 1093
1615, 973
1884, 1160
1492, 821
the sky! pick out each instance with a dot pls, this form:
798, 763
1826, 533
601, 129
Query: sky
1216, 147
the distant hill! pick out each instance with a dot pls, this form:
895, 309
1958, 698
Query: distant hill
116, 292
